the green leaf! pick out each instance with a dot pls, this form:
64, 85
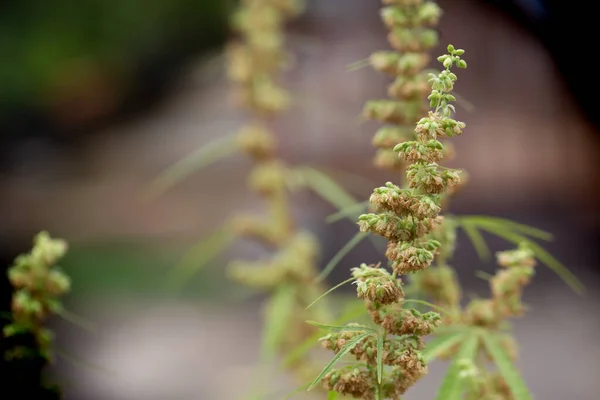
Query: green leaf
352, 243
506, 224
440, 344
328, 189
542, 255
380, 340
204, 156
452, 386
467, 105
332, 395
426, 303
342, 328
486, 276
350, 315
295, 391
351, 212
350, 344
198, 257
280, 310
477, 240
78, 362
329, 291
76, 320
356, 65
506, 368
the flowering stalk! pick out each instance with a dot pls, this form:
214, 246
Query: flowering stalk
39, 284
404, 217
411, 32
255, 61
487, 319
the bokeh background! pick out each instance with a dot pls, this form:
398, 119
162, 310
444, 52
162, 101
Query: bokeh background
97, 98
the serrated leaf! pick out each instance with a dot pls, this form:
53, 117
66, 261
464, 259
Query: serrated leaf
352, 243
280, 310
483, 251
342, 328
506, 224
542, 255
198, 257
204, 156
380, 339
329, 291
327, 188
350, 344
440, 344
506, 368
351, 212
452, 386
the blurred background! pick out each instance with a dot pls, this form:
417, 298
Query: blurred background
97, 98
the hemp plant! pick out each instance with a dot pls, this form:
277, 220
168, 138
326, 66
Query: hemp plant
411, 34
391, 355
255, 60
405, 217
38, 285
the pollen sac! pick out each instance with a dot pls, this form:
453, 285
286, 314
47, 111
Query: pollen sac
257, 141
377, 285
350, 381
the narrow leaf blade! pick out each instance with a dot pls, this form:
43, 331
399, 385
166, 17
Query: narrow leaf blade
506, 368
198, 257
280, 310
352, 243
204, 156
329, 291
327, 188
541, 254
299, 351
380, 340
351, 212
507, 224
440, 344
482, 249
452, 386
342, 328
350, 344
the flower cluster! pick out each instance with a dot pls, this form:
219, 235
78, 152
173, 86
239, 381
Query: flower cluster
39, 284
411, 33
406, 217
255, 60
507, 289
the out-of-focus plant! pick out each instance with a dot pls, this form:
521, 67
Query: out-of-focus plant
38, 285
390, 353
390, 350
255, 61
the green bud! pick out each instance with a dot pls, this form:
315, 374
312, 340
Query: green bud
461, 64
450, 48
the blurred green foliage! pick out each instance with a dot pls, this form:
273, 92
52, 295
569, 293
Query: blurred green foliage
139, 269
39, 39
